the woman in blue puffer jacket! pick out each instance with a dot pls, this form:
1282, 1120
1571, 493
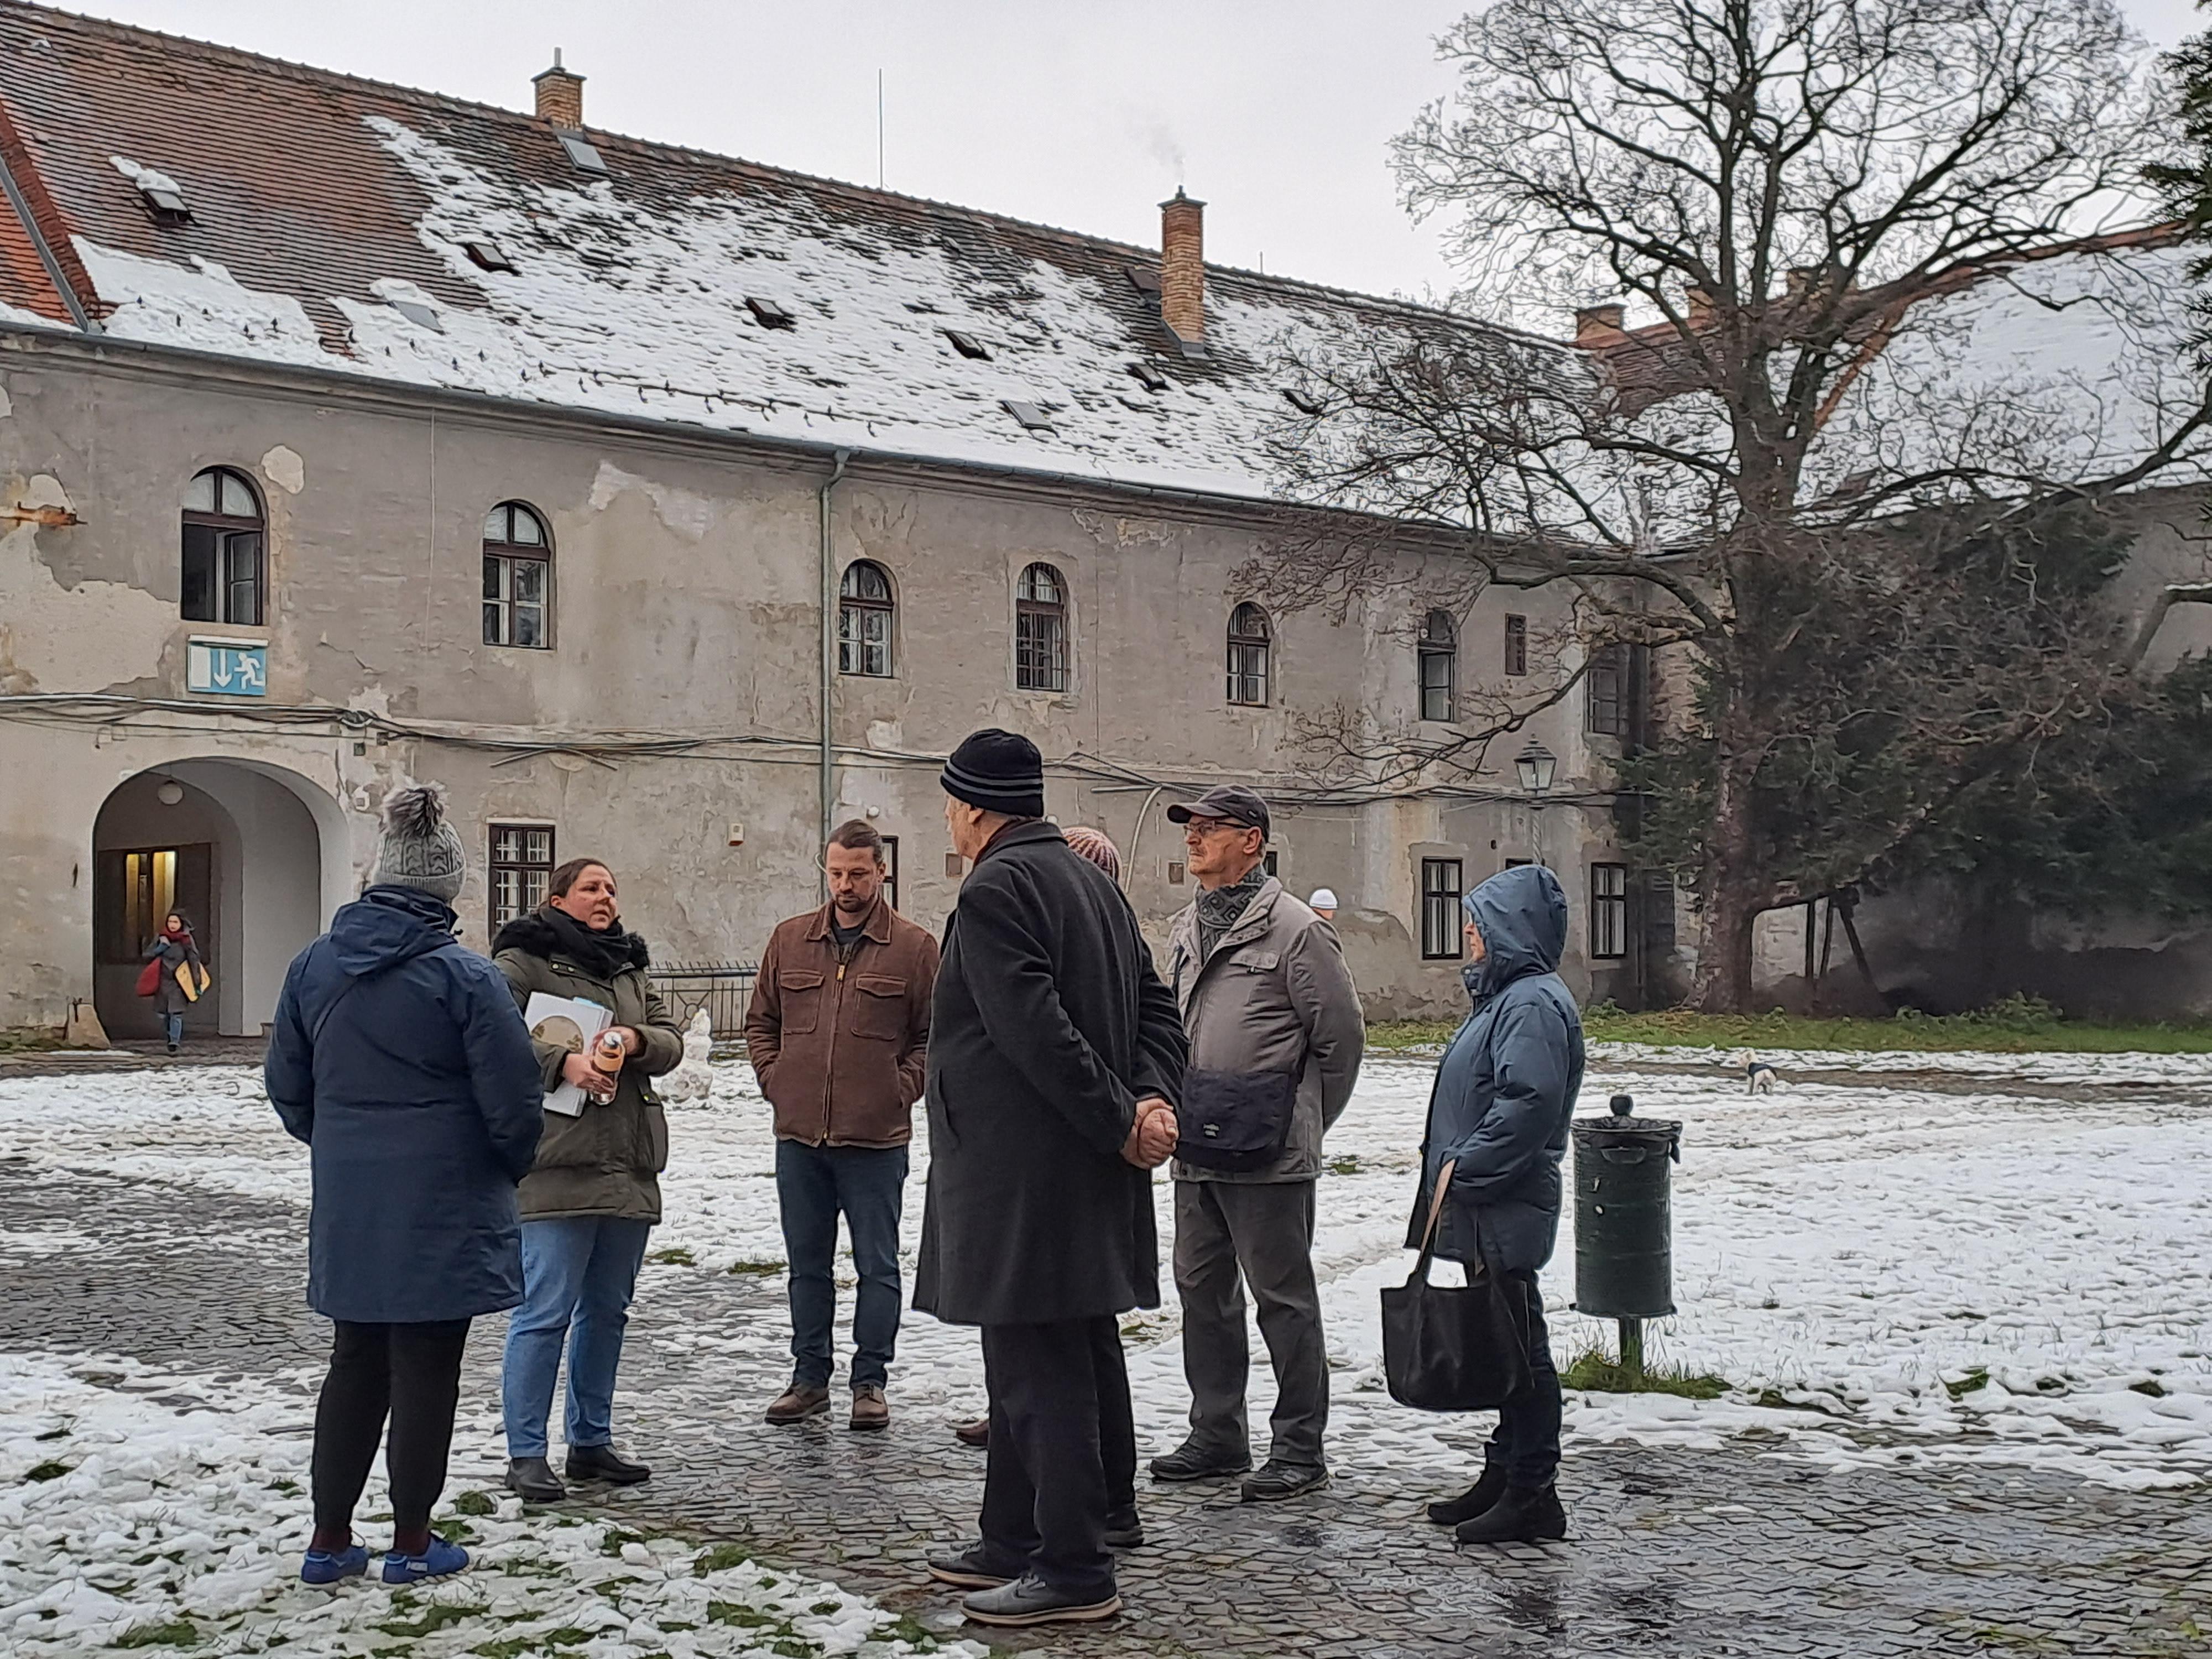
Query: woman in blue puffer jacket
399, 1059
1504, 1091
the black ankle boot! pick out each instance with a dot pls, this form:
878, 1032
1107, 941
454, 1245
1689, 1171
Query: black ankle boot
1523, 1515
1475, 1500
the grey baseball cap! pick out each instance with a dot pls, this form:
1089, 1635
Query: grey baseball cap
1229, 802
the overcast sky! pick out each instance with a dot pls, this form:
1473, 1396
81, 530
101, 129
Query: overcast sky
1082, 114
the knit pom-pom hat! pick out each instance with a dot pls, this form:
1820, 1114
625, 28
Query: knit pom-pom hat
419, 849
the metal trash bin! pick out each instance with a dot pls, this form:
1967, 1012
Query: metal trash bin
1623, 1225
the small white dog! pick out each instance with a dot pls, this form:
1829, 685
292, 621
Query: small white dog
1760, 1076
693, 1079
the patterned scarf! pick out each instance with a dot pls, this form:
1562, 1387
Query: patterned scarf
1218, 908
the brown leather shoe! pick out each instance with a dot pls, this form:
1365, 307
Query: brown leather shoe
869, 1409
977, 1433
799, 1401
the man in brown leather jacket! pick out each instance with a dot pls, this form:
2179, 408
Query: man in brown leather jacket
837, 1031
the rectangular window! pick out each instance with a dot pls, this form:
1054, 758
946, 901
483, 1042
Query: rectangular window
890, 871
222, 575
1437, 689
1442, 886
1040, 649
1609, 911
515, 601
1517, 645
1605, 692
1270, 861
522, 870
864, 641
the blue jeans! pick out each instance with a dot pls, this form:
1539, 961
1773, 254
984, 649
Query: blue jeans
579, 1270
172, 1028
812, 1185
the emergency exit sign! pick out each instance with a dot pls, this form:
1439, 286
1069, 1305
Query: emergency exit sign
226, 668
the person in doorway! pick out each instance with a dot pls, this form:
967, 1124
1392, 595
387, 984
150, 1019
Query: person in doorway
1323, 903
1055, 1058
1505, 1092
176, 976
398, 1058
592, 1199
1275, 1043
837, 1032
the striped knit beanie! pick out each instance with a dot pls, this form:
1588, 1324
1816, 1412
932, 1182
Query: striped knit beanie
1092, 844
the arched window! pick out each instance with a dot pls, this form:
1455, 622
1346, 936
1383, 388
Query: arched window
1248, 638
1040, 630
517, 577
224, 564
863, 620
1440, 659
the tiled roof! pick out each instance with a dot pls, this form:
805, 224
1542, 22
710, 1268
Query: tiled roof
330, 215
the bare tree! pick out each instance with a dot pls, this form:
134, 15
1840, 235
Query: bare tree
1790, 475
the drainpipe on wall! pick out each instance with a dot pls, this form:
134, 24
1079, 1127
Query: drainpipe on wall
828, 780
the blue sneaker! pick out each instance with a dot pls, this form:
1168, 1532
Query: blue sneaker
329, 1566
441, 1560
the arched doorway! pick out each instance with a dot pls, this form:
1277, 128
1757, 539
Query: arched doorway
237, 846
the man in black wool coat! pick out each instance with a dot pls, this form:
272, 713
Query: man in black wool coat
1055, 1056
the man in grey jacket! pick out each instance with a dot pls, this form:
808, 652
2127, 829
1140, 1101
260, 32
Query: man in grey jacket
1275, 1041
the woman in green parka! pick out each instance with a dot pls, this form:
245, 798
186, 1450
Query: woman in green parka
590, 1201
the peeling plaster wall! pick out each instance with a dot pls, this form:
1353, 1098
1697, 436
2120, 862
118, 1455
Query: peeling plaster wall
685, 583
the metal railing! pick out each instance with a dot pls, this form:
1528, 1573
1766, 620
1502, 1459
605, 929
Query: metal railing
724, 989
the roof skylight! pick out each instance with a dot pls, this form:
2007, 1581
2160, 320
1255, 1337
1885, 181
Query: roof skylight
580, 152
769, 314
486, 254
1032, 416
1144, 280
1149, 376
163, 196
968, 345
421, 315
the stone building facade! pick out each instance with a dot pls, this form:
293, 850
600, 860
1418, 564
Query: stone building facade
303, 498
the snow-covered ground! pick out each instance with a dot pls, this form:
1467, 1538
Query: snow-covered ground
1882, 1270
139, 1507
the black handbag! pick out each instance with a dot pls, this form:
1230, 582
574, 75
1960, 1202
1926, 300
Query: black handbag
1235, 1122
1453, 1348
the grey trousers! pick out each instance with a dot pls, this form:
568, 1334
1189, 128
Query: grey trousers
1229, 1235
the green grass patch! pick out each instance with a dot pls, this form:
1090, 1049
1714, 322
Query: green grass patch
453, 1529
49, 1470
612, 1543
1972, 1382
676, 1257
2150, 1386
2014, 1025
716, 1558
170, 1633
1345, 1165
756, 1269
476, 1502
29, 1040
741, 1618
1597, 1372
434, 1618
907, 1628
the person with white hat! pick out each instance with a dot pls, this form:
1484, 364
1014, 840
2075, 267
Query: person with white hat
1323, 903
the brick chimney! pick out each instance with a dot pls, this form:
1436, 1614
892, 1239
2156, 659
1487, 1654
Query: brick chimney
1601, 325
1698, 308
1182, 267
560, 96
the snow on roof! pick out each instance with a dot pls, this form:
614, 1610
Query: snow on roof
331, 230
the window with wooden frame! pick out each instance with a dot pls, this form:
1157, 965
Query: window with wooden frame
1249, 644
1608, 912
1442, 884
1040, 630
864, 621
225, 543
890, 871
1605, 691
1439, 666
1517, 645
518, 578
522, 870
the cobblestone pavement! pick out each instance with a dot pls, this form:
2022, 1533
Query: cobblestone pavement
1697, 1554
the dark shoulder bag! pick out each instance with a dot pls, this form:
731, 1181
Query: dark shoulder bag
1448, 1348
1234, 1121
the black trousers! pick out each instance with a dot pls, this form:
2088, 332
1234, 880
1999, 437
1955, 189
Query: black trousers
1055, 1388
411, 1373
1527, 1440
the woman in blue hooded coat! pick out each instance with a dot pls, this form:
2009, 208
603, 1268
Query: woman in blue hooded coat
399, 1059
1498, 1114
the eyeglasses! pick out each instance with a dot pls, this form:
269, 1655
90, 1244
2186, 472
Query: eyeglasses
1212, 826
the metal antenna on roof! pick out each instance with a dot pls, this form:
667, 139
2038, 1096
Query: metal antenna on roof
879, 129
556, 57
